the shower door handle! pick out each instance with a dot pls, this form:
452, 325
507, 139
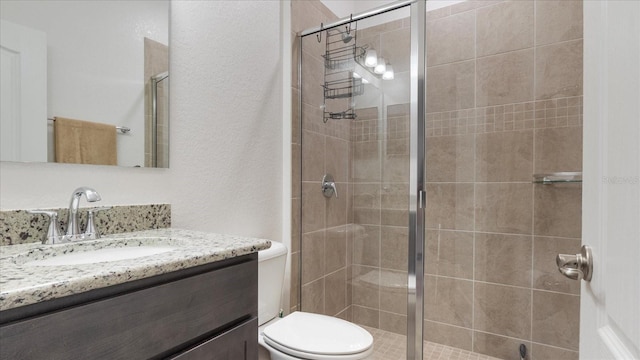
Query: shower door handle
329, 186
578, 266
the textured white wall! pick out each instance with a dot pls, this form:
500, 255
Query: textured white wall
226, 130
226, 117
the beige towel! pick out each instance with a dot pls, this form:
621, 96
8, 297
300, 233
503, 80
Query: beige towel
85, 142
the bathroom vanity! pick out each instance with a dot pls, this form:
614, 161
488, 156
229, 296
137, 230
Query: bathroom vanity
195, 301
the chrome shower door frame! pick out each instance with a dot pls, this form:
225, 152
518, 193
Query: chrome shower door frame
417, 194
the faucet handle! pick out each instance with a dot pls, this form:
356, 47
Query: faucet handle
91, 232
54, 235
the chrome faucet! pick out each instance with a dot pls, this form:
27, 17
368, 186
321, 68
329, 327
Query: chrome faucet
73, 224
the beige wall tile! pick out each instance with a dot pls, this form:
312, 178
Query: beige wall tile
394, 323
504, 156
335, 300
502, 310
304, 15
503, 259
295, 56
296, 174
541, 352
395, 47
313, 256
393, 217
337, 206
449, 206
448, 300
295, 117
366, 216
365, 316
312, 115
394, 247
451, 39
313, 297
337, 159
504, 208
335, 248
558, 21
504, 27
398, 110
366, 30
556, 319
450, 158
313, 155
346, 314
395, 196
505, 79
449, 253
313, 76
438, 13
313, 207
366, 246
545, 271
472, 4
559, 70
558, 210
392, 298
558, 150
295, 225
365, 162
366, 196
451, 86
365, 286
455, 336
395, 168
295, 279
497, 346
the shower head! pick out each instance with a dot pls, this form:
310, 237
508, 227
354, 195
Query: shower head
346, 37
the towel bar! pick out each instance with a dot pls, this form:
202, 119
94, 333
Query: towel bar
122, 129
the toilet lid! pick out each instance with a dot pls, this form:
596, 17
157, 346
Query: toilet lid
319, 334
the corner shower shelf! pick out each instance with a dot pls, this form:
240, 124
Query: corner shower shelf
558, 178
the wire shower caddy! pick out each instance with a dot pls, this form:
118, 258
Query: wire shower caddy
340, 86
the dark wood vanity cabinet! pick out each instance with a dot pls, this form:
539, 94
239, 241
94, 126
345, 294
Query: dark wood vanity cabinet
207, 312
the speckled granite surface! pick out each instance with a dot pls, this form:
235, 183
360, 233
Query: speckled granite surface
20, 227
23, 284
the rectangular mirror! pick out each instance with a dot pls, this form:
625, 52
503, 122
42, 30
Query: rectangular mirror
105, 63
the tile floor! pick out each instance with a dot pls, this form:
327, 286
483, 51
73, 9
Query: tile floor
391, 346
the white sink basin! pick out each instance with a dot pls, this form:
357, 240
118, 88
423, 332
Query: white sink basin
95, 251
101, 255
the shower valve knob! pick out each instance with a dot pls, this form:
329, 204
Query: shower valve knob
329, 186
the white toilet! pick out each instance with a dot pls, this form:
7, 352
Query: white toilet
301, 335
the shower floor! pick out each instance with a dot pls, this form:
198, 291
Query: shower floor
391, 346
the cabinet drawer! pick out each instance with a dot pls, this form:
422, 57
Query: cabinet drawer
239, 343
140, 324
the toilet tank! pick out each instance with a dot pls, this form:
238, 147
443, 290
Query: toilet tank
271, 264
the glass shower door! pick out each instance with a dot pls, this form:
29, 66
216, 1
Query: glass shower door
356, 104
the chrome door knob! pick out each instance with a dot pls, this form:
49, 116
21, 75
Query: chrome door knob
578, 266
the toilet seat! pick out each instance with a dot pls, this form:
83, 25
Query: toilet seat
314, 336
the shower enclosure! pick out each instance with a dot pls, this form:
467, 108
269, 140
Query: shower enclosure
419, 212
160, 120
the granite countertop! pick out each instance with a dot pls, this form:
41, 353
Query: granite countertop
24, 284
